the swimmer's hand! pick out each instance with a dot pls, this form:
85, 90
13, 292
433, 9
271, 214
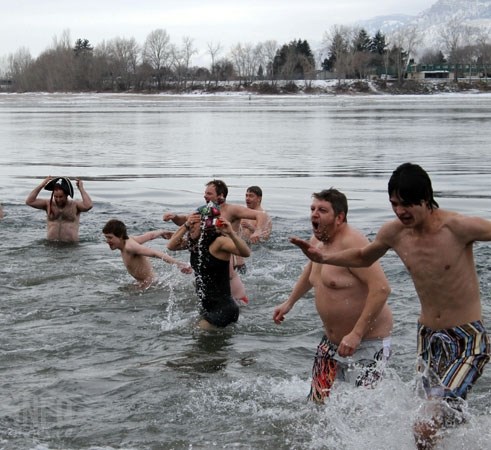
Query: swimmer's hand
245, 223
349, 344
168, 216
166, 234
255, 237
310, 251
185, 268
224, 226
280, 311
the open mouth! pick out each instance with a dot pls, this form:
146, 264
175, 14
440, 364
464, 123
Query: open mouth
405, 219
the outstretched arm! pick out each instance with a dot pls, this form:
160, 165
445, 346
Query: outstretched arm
302, 286
178, 219
151, 235
353, 257
86, 203
33, 200
141, 250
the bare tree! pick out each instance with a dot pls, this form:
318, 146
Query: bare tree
188, 50
455, 37
337, 43
157, 53
484, 49
18, 69
181, 59
54, 70
268, 52
214, 50
123, 56
404, 44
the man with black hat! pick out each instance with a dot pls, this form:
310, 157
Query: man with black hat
63, 214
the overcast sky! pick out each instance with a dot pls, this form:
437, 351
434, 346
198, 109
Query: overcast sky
33, 24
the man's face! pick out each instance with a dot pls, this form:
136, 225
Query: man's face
252, 200
113, 241
60, 198
409, 215
324, 219
210, 194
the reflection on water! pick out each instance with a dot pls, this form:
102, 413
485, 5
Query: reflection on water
90, 362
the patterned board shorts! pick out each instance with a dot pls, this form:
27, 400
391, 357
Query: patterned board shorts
450, 361
364, 368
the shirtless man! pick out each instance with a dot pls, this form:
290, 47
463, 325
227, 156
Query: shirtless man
216, 191
135, 255
63, 214
253, 199
351, 302
435, 245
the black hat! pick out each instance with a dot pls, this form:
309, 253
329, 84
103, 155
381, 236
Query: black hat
63, 183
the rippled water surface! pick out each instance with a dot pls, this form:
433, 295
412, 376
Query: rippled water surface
88, 362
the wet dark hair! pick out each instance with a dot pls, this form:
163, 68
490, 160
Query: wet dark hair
255, 190
412, 185
220, 187
337, 199
117, 228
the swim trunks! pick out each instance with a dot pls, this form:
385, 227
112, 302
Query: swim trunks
241, 269
364, 368
450, 361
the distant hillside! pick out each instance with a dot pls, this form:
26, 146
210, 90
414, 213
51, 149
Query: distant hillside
476, 13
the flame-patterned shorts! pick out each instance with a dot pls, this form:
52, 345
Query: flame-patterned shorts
364, 368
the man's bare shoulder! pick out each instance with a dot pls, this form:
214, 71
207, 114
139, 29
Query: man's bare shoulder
131, 245
238, 211
467, 228
389, 234
351, 237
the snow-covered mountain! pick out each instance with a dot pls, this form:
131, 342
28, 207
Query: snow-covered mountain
430, 22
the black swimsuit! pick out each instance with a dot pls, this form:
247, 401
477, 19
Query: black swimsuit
213, 282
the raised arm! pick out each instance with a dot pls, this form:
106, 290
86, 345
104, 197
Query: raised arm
302, 286
235, 245
177, 240
33, 200
86, 203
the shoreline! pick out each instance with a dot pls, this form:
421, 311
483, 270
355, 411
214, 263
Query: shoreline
305, 87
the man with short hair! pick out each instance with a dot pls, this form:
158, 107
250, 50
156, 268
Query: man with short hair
351, 302
253, 199
436, 246
63, 214
135, 255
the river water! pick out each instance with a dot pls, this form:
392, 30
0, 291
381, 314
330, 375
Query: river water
88, 362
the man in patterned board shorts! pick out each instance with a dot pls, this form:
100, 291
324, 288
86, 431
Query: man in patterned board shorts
352, 303
436, 246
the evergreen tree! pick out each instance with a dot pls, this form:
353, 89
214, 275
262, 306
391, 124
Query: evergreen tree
378, 44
